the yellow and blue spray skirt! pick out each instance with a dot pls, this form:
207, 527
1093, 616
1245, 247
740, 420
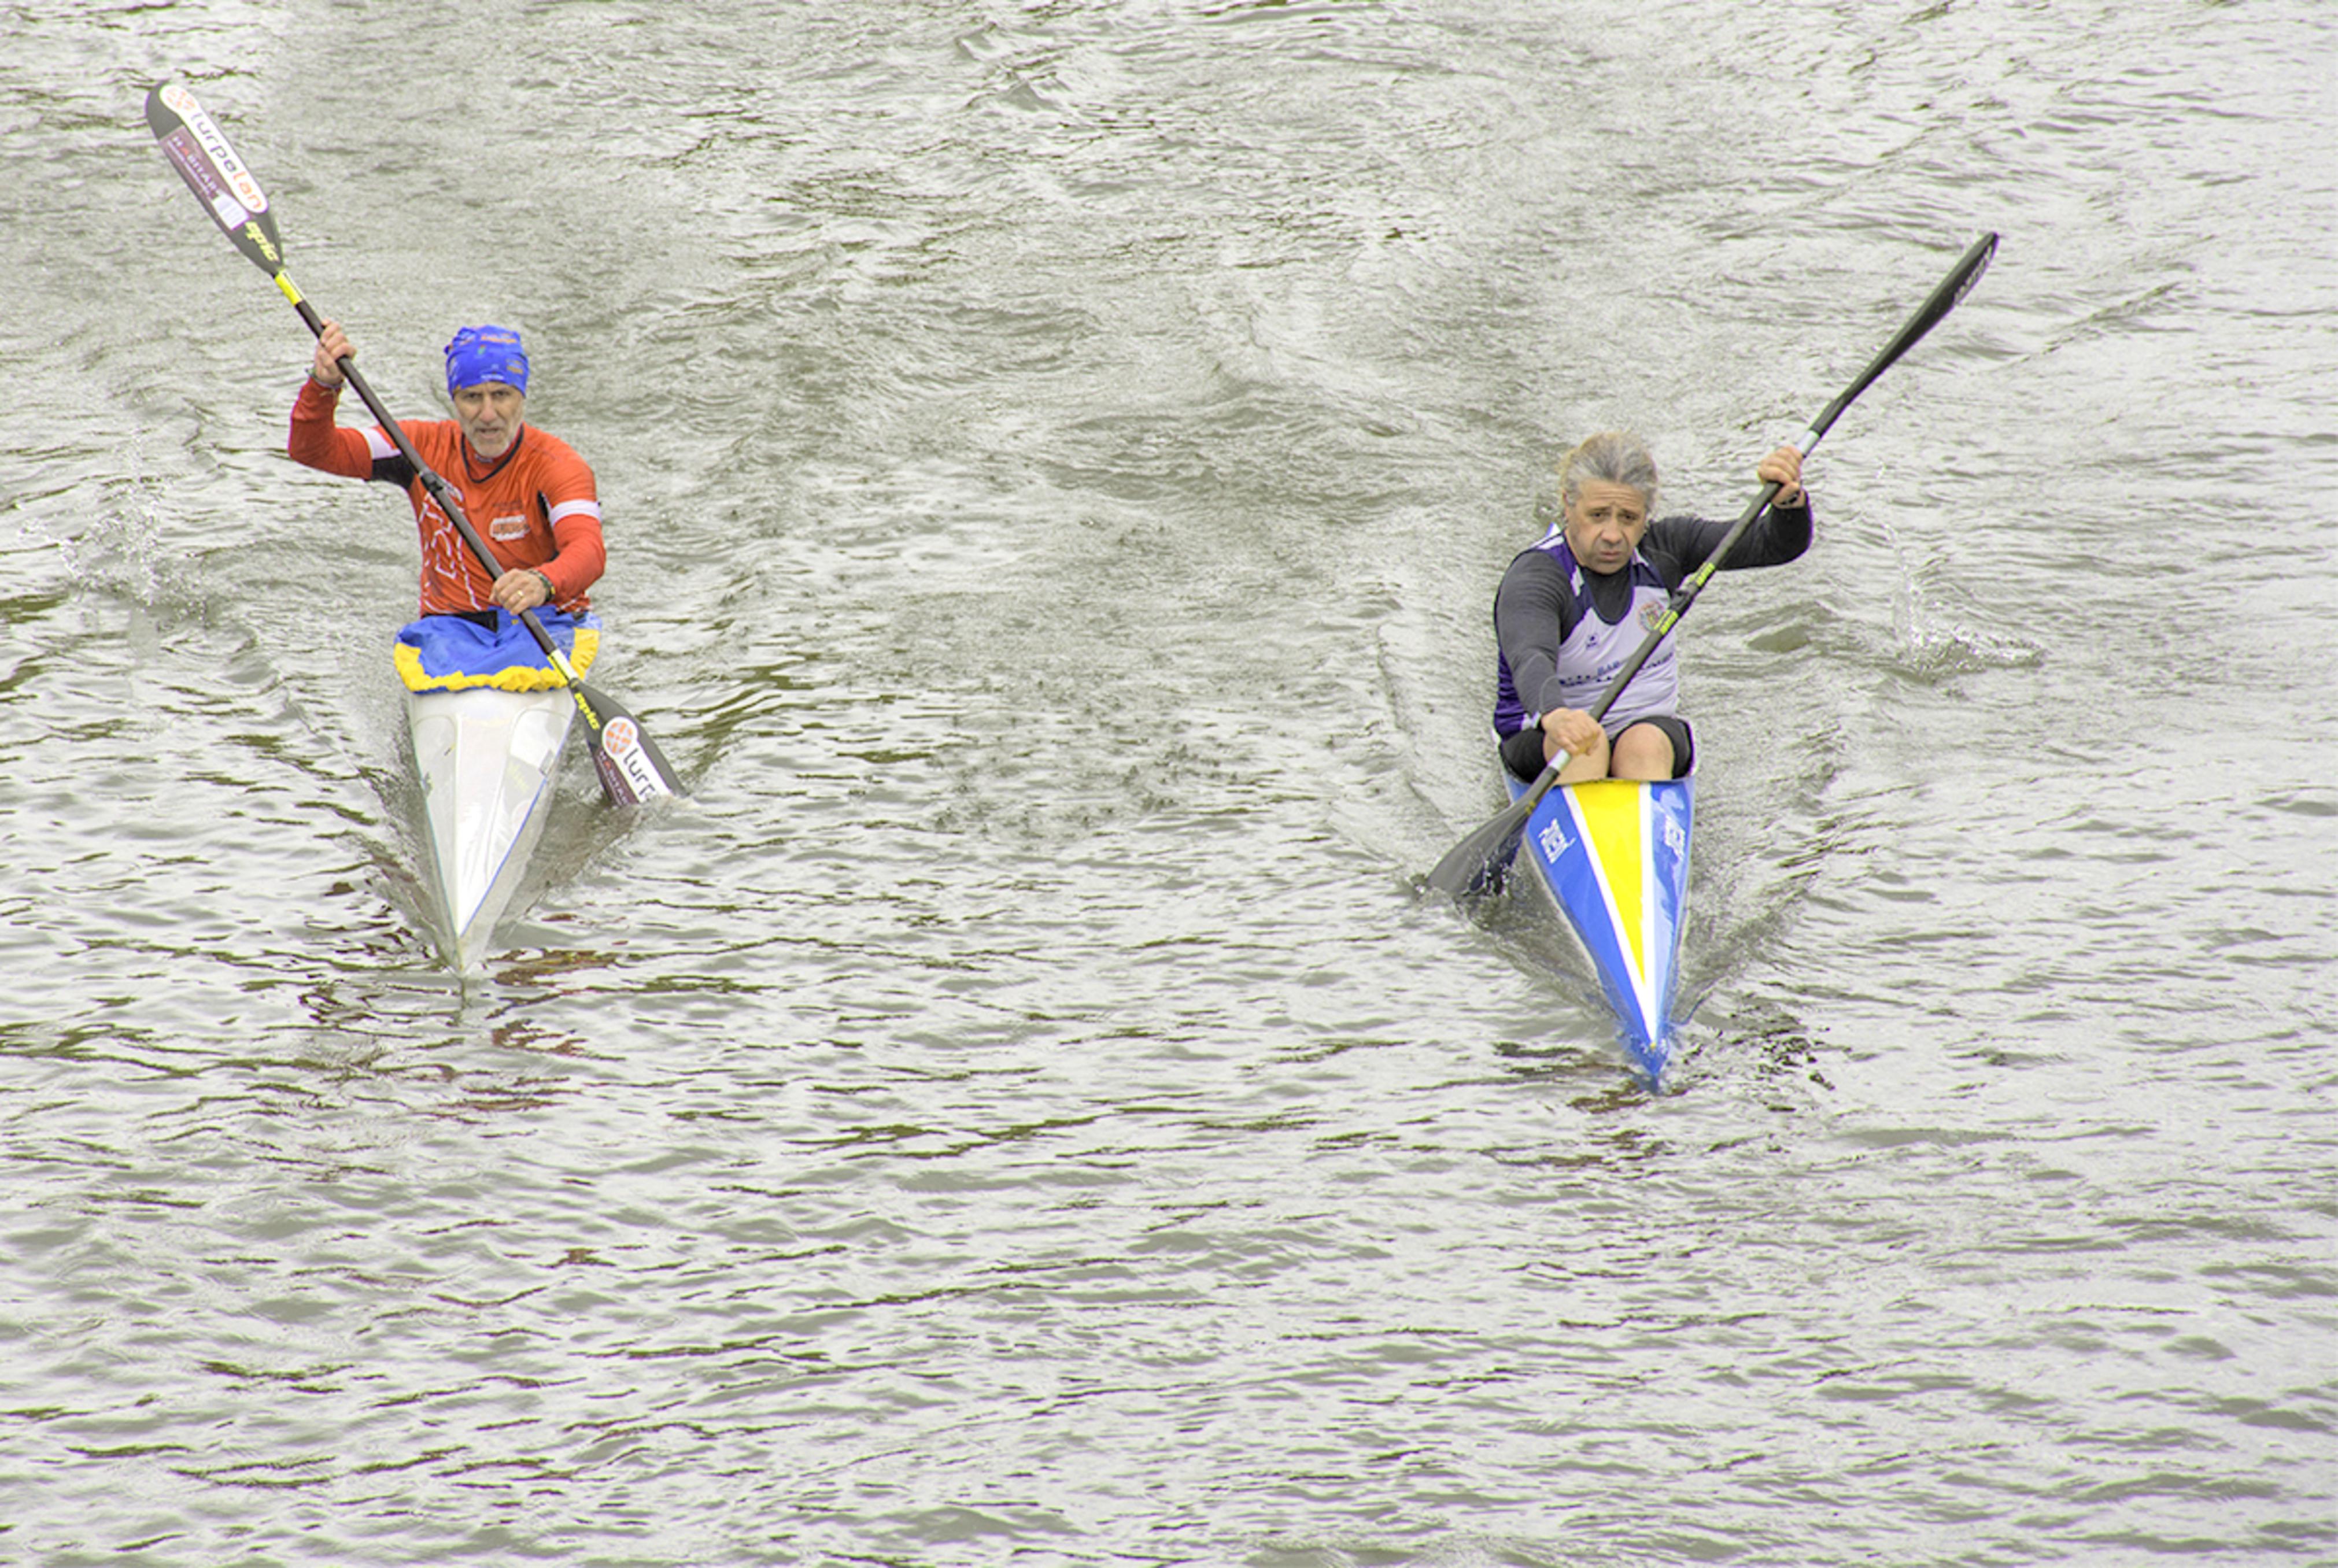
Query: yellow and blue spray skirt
456, 653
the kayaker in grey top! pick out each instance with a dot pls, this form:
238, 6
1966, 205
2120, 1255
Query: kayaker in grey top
1575, 606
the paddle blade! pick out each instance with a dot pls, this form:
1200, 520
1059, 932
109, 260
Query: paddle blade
631, 769
1477, 864
1945, 298
1948, 296
199, 150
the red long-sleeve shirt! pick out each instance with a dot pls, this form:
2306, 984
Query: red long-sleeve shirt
534, 506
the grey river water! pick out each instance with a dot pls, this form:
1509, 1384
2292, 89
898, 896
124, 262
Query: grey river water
1022, 1107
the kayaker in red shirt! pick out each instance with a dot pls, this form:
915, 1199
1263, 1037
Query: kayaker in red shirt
526, 491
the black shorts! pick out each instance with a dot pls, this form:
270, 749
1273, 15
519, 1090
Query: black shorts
1522, 752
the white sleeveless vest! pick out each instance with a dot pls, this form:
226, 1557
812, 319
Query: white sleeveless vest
1595, 652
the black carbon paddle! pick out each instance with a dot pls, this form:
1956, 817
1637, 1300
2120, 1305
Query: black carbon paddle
1479, 861
631, 768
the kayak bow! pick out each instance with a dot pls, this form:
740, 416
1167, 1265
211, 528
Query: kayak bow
1612, 855
487, 760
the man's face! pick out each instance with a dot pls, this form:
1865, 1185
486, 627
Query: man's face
1604, 525
490, 416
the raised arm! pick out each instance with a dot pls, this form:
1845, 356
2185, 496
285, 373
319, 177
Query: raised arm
316, 441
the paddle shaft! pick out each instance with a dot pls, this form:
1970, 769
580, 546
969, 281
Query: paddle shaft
1489, 848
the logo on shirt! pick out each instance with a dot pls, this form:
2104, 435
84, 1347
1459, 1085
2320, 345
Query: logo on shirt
512, 527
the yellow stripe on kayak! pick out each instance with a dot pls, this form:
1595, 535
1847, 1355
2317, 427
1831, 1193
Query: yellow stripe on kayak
1612, 813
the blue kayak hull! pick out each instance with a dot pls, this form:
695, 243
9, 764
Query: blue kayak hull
1612, 856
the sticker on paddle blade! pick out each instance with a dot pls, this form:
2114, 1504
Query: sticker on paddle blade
626, 765
198, 144
199, 150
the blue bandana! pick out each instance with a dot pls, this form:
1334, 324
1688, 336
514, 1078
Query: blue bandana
483, 354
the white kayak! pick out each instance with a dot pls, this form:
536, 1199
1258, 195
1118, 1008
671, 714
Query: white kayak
486, 758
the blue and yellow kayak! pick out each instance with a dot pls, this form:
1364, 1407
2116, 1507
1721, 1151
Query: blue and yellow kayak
1612, 856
